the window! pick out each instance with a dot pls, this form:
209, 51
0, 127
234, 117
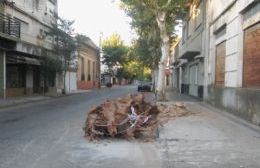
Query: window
89, 76
94, 70
82, 69
220, 64
251, 66
24, 26
15, 76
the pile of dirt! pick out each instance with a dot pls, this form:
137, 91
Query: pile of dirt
129, 117
170, 111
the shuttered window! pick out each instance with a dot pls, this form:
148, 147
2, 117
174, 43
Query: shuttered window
220, 64
251, 71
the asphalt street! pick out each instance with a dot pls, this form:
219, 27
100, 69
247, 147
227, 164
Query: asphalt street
49, 134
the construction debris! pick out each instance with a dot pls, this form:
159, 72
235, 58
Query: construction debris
129, 117
170, 111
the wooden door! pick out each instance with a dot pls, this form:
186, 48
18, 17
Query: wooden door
251, 65
220, 64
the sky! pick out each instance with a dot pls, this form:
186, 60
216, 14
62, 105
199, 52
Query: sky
95, 16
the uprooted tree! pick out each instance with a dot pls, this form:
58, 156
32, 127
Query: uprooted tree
162, 16
130, 117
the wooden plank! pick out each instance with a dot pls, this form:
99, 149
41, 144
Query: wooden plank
220, 64
251, 67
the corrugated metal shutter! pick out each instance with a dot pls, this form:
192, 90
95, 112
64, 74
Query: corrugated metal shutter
220, 64
251, 72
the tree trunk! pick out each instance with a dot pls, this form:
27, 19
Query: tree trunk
165, 47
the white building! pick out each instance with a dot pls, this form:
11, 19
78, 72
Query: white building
232, 69
20, 60
219, 55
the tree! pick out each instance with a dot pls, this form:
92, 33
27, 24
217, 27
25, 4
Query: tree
64, 44
164, 14
139, 65
50, 66
114, 54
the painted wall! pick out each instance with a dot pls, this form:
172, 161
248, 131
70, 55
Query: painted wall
71, 82
227, 21
87, 54
36, 18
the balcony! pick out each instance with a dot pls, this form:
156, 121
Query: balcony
9, 26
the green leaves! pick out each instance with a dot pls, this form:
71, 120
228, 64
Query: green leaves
64, 44
114, 51
143, 14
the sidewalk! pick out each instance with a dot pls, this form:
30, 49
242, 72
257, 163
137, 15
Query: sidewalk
208, 139
9, 102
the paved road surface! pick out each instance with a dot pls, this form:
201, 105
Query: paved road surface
49, 134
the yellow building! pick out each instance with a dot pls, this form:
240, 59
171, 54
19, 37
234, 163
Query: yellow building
88, 73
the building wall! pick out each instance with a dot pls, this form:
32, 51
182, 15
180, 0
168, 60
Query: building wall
192, 50
71, 82
29, 81
227, 20
35, 21
89, 78
36, 18
2, 75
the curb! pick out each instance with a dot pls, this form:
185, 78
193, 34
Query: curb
46, 98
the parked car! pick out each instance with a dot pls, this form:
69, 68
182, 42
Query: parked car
144, 87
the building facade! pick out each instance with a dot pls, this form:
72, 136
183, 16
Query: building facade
232, 72
219, 55
88, 73
24, 35
189, 62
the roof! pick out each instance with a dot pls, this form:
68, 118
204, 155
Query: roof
86, 41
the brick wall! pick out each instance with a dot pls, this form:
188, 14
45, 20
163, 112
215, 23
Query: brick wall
83, 85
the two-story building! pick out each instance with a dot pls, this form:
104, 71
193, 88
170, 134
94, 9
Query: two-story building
232, 69
23, 35
189, 63
219, 55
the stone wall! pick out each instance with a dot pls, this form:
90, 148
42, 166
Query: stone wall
242, 102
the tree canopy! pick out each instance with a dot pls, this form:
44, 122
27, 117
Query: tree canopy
154, 22
123, 61
64, 44
114, 52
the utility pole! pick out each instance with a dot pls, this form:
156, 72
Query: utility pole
100, 58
